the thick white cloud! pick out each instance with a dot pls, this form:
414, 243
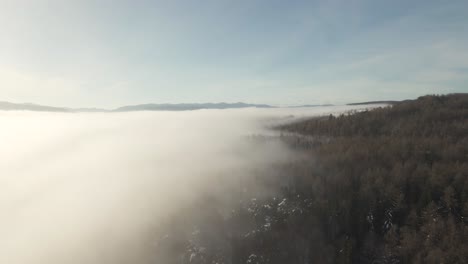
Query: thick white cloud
86, 188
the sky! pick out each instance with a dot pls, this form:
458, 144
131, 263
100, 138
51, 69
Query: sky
106, 53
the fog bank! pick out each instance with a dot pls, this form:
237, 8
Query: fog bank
89, 187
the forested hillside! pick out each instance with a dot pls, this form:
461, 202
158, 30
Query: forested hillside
388, 185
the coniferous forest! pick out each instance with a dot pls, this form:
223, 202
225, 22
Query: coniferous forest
388, 185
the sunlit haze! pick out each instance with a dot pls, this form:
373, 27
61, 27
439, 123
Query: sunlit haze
85, 188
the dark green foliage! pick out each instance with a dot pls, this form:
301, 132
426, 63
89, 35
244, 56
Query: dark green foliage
383, 186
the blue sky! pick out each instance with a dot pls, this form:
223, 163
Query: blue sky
110, 53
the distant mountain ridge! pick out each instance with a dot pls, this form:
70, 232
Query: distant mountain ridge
185, 107
390, 102
8, 106
32, 107
310, 105
142, 107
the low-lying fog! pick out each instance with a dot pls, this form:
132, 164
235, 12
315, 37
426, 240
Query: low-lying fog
87, 187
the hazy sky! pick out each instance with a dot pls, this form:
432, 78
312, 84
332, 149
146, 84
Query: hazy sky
110, 53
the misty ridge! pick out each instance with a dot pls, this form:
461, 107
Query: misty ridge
97, 187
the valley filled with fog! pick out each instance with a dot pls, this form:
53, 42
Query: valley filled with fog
91, 187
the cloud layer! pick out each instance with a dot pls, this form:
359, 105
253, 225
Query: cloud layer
88, 188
